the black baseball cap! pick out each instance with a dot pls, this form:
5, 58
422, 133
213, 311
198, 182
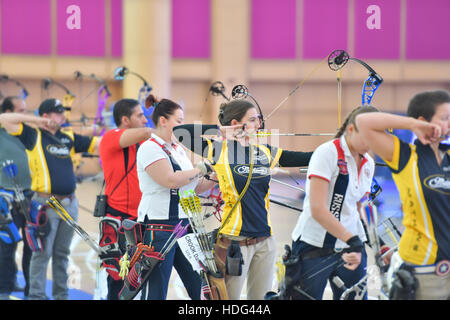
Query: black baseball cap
52, 105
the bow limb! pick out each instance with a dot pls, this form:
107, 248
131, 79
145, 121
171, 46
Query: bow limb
103, 95
338, 58
23, 91
120, 73
68, 98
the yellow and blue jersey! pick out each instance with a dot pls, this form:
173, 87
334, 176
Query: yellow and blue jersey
50, 158
424, 188
231, 161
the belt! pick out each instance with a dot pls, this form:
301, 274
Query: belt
159, 227
318, 253
441, 268
246, 242
26, 192
58, 197
116, 213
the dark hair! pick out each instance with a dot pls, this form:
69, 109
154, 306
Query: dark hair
123, 107
351, 118
162, 108
424, 104
235, 109
8, 104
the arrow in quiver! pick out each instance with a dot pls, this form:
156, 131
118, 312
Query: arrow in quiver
213, 287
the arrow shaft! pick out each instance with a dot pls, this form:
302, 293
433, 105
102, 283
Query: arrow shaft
288, 185
264, 134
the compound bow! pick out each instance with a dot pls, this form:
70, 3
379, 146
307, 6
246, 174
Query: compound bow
120, 73
103, 95
23, 91
68, 98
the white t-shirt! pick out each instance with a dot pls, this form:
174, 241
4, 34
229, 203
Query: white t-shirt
155, 201
323, 164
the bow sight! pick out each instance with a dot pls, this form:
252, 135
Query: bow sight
238, 92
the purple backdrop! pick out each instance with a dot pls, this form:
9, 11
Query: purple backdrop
25, 27
89, 40
273, 29
383, 43
116, 28
191, 28
427, 29
324, 27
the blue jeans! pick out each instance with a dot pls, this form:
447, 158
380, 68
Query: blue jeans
158, 281
317, 271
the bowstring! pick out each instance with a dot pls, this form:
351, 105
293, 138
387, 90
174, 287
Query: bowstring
297, 87
339, 83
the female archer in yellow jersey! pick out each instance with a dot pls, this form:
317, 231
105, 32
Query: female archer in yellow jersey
243, 170
421, 171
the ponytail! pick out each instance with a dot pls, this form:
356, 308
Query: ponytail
351, 118
150, 101
235, 109
162, 108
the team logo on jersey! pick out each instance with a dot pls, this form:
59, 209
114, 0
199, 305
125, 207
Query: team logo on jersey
438, 183
60, 151
258, 171
342, 167
65, 140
